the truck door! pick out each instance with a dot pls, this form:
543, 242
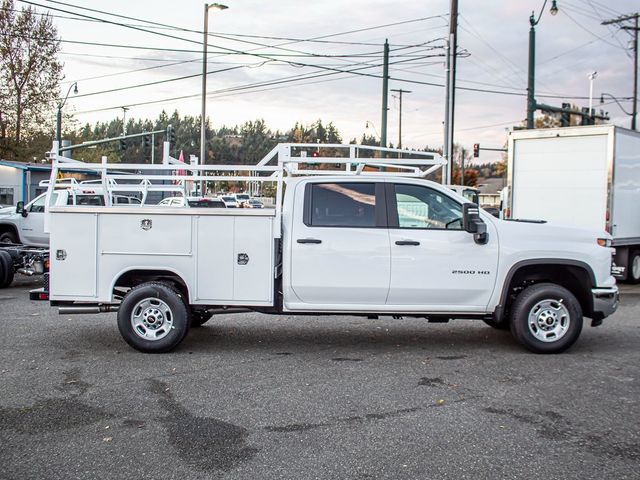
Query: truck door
32, 226
434, 263
339, 245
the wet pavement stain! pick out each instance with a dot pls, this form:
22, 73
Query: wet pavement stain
301, 427
553, 426
72, 384
346, 359
133, 423
50, 415
203, 443
296, 427
432, 382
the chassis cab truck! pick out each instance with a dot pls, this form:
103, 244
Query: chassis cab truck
352, 242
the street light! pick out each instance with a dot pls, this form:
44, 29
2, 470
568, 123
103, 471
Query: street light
203, 136
74, 85
531, 101
366, 126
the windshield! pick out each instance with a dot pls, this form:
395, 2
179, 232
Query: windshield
242, 197
229, 199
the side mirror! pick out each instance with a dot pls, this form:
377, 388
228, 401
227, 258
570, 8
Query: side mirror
472, 223
20, 209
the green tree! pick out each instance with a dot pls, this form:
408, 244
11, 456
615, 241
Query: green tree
30, 75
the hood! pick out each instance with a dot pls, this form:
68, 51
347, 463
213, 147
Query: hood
549, 231
7, 210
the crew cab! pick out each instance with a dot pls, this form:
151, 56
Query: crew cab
355, 242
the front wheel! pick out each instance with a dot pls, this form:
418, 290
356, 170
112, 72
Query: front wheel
8, 237
153, 318
546, 318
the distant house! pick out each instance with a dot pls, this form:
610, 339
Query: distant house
20, 181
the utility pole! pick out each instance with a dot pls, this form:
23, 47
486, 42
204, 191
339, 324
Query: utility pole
400, 92
634, 29
450, 102
385, 92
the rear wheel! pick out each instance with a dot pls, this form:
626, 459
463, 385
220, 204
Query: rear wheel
153, 318
8, 237
633, 267
6, 269
546, 318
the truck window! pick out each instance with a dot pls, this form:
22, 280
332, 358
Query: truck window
423, 207
38, 205
342, 205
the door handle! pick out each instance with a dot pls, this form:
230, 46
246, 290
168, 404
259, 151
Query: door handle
407, 242
309, 240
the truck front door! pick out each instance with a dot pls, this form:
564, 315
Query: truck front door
32, 226
339, 245
434, 263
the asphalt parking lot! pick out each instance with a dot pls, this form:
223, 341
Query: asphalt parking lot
250, 396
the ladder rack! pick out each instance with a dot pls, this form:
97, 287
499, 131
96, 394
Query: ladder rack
284, 161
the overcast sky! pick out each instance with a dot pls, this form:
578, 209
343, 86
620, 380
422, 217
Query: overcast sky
493, 36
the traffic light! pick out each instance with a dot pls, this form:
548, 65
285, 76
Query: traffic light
315, 154
565, 116
476, 150
146, 141
122, 144
171, 135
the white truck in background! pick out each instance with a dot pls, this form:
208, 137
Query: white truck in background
351, 241
585, 177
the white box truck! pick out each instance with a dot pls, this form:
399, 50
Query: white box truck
587, 177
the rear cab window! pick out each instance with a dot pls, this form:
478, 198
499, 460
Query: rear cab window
348, 205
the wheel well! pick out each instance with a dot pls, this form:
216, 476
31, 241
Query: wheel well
133, 278
576, 279
9, 228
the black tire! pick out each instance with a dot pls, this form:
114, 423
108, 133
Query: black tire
158, 310
6, 269
563, 305
503, 325
8, 237
633, 277
200, 317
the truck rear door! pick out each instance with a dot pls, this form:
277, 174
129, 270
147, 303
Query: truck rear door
339, 244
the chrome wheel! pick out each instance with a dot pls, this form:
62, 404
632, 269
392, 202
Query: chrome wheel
152, 319
549, 320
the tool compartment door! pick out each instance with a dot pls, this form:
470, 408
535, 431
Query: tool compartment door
73, 256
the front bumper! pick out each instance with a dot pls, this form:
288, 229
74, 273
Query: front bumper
605, 302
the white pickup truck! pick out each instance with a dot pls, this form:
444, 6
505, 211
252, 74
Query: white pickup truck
352, 241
